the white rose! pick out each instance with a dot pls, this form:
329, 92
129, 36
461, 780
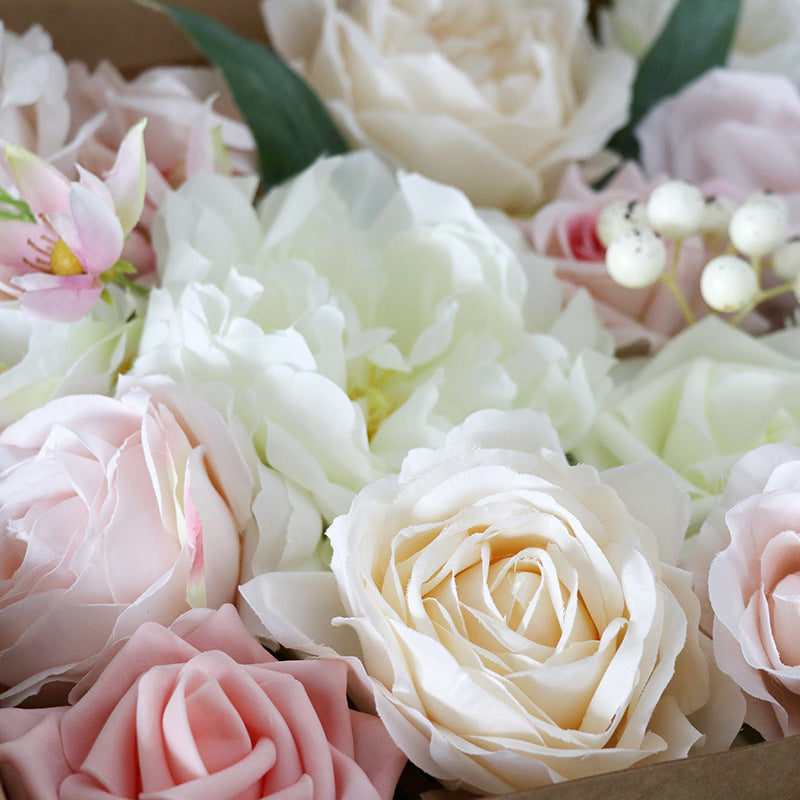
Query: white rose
34, 109
710, 395
357, 315
33, 81
492, 97
521, 619
767, 34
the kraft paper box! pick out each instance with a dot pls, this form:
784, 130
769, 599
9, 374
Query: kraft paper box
135, 37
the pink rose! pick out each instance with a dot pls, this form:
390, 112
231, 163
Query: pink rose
747, 573
740, 125
112, 512
199, 710
565, 229
183, 105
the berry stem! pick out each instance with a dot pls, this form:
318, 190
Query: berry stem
668, 279
676, 256
760, 297
755, 263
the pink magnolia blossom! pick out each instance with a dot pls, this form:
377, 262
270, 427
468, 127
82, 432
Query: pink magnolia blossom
201, 710
55, 259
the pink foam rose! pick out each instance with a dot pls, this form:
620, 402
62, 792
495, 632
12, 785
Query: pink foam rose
113, 511
741, 125
746, 565
199, 710
566, 230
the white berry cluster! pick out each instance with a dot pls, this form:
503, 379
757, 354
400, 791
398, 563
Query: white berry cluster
634, 235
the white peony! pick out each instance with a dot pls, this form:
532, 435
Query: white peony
41, 360
492, 97
358, 314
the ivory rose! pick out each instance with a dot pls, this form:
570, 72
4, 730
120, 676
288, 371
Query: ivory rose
710, 395
522, 620
747, 572
491, 97
113, 511
201, 710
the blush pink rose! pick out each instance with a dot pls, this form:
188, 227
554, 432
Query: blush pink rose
741, 125
199, 710
566, 230
112, 512
746, 564
183, 105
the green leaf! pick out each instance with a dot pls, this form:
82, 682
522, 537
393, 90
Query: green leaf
13, 209
697, 37
290, 124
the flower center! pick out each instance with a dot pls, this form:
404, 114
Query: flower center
375, 398
63, 261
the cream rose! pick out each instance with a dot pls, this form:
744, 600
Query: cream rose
112, 512
521, 619
492, 97
747, 574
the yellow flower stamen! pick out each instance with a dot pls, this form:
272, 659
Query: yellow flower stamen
375, 398
63, 261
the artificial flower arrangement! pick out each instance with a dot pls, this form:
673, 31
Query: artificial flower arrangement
410, 407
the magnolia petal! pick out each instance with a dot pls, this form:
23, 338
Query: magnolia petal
41, 185
126, 180
91, 230
58, 298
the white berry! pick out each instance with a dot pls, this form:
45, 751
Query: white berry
637, 259
728, 283
786, 260
619, 218
758, 226
717, 213
675, 209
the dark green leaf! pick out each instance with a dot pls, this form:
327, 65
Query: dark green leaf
290, 124
697, 37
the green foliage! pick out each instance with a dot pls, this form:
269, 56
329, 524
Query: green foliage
290, 124
697, 37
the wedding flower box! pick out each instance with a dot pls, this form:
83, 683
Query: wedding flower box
134, 37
